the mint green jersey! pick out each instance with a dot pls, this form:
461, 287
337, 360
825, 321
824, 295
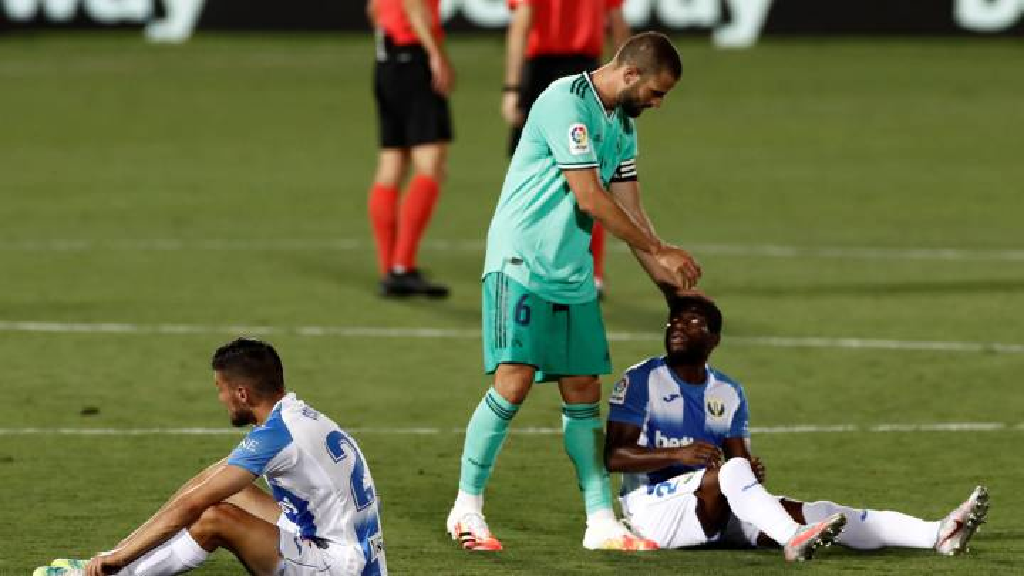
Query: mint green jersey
539, 236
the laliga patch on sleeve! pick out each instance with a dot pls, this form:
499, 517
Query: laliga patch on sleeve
579, 140
619, 391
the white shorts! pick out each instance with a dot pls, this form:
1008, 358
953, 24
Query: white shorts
667, 514
304, 557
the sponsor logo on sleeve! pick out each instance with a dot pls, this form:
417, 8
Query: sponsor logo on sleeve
250, 444
579, 140
619, 391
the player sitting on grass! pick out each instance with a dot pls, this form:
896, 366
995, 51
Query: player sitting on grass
671, 420
330, 525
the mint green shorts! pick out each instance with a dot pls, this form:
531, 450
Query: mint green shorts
558, 339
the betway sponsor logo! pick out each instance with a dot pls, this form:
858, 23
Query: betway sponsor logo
178, 21
733, 23
662, 441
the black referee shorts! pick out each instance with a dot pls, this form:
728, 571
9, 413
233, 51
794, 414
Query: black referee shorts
409, 112
538, 73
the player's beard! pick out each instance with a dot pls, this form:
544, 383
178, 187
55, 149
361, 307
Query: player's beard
694, 353
242, 417
629, 100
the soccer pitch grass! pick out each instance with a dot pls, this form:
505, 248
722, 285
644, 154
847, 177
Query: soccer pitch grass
852, 202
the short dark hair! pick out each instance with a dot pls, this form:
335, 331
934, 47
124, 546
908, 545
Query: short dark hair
681, 302
650, 52
254, 360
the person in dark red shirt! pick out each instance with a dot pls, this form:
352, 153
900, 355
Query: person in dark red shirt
549, 39
412, 80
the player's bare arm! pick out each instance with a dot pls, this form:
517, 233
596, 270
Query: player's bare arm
622, 454
182, 512
190, 484
618, 28
371, 12
515, 48
592, 199
627, 196
443, 77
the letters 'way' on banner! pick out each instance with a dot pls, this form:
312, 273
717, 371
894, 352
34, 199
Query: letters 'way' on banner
729, 23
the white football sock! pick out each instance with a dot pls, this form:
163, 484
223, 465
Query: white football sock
602, 515
872, 529
179, 554
471, 502
750, 502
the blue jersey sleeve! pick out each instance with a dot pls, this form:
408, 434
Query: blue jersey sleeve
261, 445
628, 401
740, 427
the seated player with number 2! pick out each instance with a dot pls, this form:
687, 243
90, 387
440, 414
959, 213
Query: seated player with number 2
330, 525
673, 420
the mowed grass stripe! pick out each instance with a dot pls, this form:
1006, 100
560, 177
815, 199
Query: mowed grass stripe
343, 244
528, 430
402, 332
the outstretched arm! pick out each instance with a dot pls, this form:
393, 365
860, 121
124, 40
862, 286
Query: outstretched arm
592, 199
622, 454
180, 512
192, 483
627, 195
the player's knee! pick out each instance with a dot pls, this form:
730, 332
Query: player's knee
435, 172
735, 468
391, 166
214, 519
580, 389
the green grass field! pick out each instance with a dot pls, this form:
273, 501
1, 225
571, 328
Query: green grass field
185, 190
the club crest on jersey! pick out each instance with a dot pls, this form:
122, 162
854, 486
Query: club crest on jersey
619, 391
716, 408
579, 140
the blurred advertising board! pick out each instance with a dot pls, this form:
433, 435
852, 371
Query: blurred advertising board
728, 23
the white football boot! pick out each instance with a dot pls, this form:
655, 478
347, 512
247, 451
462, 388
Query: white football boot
470, 529
959, 526
613, 535
809, 538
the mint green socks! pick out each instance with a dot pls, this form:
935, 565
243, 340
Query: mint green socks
582, 432
485, 434
584, 443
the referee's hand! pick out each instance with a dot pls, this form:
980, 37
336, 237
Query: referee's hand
510, 109
442, 76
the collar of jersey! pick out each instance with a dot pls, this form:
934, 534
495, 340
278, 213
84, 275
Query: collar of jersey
277, 405
683, 385
608, 114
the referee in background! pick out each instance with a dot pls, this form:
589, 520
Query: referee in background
412, 80
549, 39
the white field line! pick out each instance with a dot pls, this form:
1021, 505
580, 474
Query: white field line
464, 334
527, 431
742, 250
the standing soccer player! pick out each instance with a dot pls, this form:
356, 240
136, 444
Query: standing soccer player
412, 80
549, 39
541, 319
671, 419
330, 525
